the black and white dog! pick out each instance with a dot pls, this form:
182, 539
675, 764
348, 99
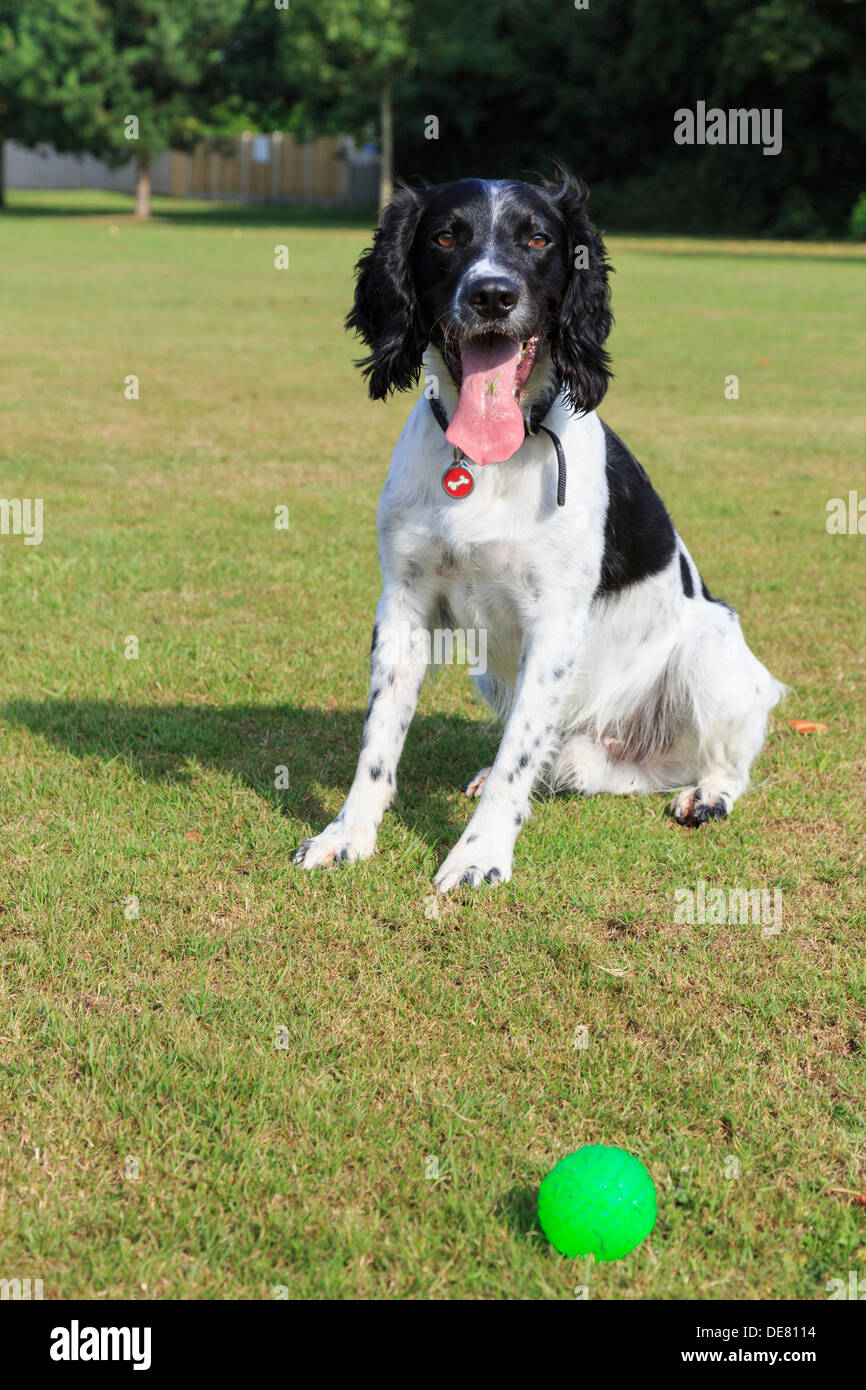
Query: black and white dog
511, 509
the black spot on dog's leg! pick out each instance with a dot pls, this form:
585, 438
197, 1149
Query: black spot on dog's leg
686, 576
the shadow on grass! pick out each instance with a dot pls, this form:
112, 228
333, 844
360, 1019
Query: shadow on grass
202, 212
266, 215
518, 1210
18, 210
192, 213
319, 749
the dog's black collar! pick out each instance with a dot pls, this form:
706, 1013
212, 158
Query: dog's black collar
537, 412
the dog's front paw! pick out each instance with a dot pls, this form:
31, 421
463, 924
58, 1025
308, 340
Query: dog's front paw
338, 843
475, 859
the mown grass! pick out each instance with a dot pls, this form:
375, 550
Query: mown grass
152, 1043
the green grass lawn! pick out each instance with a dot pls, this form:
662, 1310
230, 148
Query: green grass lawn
280, 1055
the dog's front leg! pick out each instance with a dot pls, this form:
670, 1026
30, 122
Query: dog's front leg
484, 851
398, 661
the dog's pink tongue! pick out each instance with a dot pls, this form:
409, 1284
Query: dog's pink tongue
487, 424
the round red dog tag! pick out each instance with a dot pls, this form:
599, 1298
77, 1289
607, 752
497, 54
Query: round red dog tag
457, 480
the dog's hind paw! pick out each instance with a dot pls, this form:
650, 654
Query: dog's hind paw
696, 805
473, 788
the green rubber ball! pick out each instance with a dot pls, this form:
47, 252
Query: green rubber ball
598, 1201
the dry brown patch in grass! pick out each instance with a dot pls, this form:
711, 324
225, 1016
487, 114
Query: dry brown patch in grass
616, 930
839, 1039
90, 1002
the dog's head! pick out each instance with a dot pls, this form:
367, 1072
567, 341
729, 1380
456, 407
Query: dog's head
507, 282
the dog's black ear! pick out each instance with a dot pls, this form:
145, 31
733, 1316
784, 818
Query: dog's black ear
585, 317
386, 313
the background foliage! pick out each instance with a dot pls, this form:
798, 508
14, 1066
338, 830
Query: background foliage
514, 85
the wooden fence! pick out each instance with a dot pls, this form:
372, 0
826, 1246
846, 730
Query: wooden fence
263, 167
254, 168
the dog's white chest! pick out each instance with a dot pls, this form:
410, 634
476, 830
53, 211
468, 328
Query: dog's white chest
488, 583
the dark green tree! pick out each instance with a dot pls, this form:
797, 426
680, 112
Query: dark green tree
516, 86
120, 79
55, 59
356, 49
169, 56
322, 66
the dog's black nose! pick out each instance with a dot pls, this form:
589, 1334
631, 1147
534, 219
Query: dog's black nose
492, 297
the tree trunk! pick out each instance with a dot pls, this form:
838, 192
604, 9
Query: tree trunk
142, 189
2, 176
386, 165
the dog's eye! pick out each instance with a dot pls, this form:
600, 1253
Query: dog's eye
445, 239
538, 239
